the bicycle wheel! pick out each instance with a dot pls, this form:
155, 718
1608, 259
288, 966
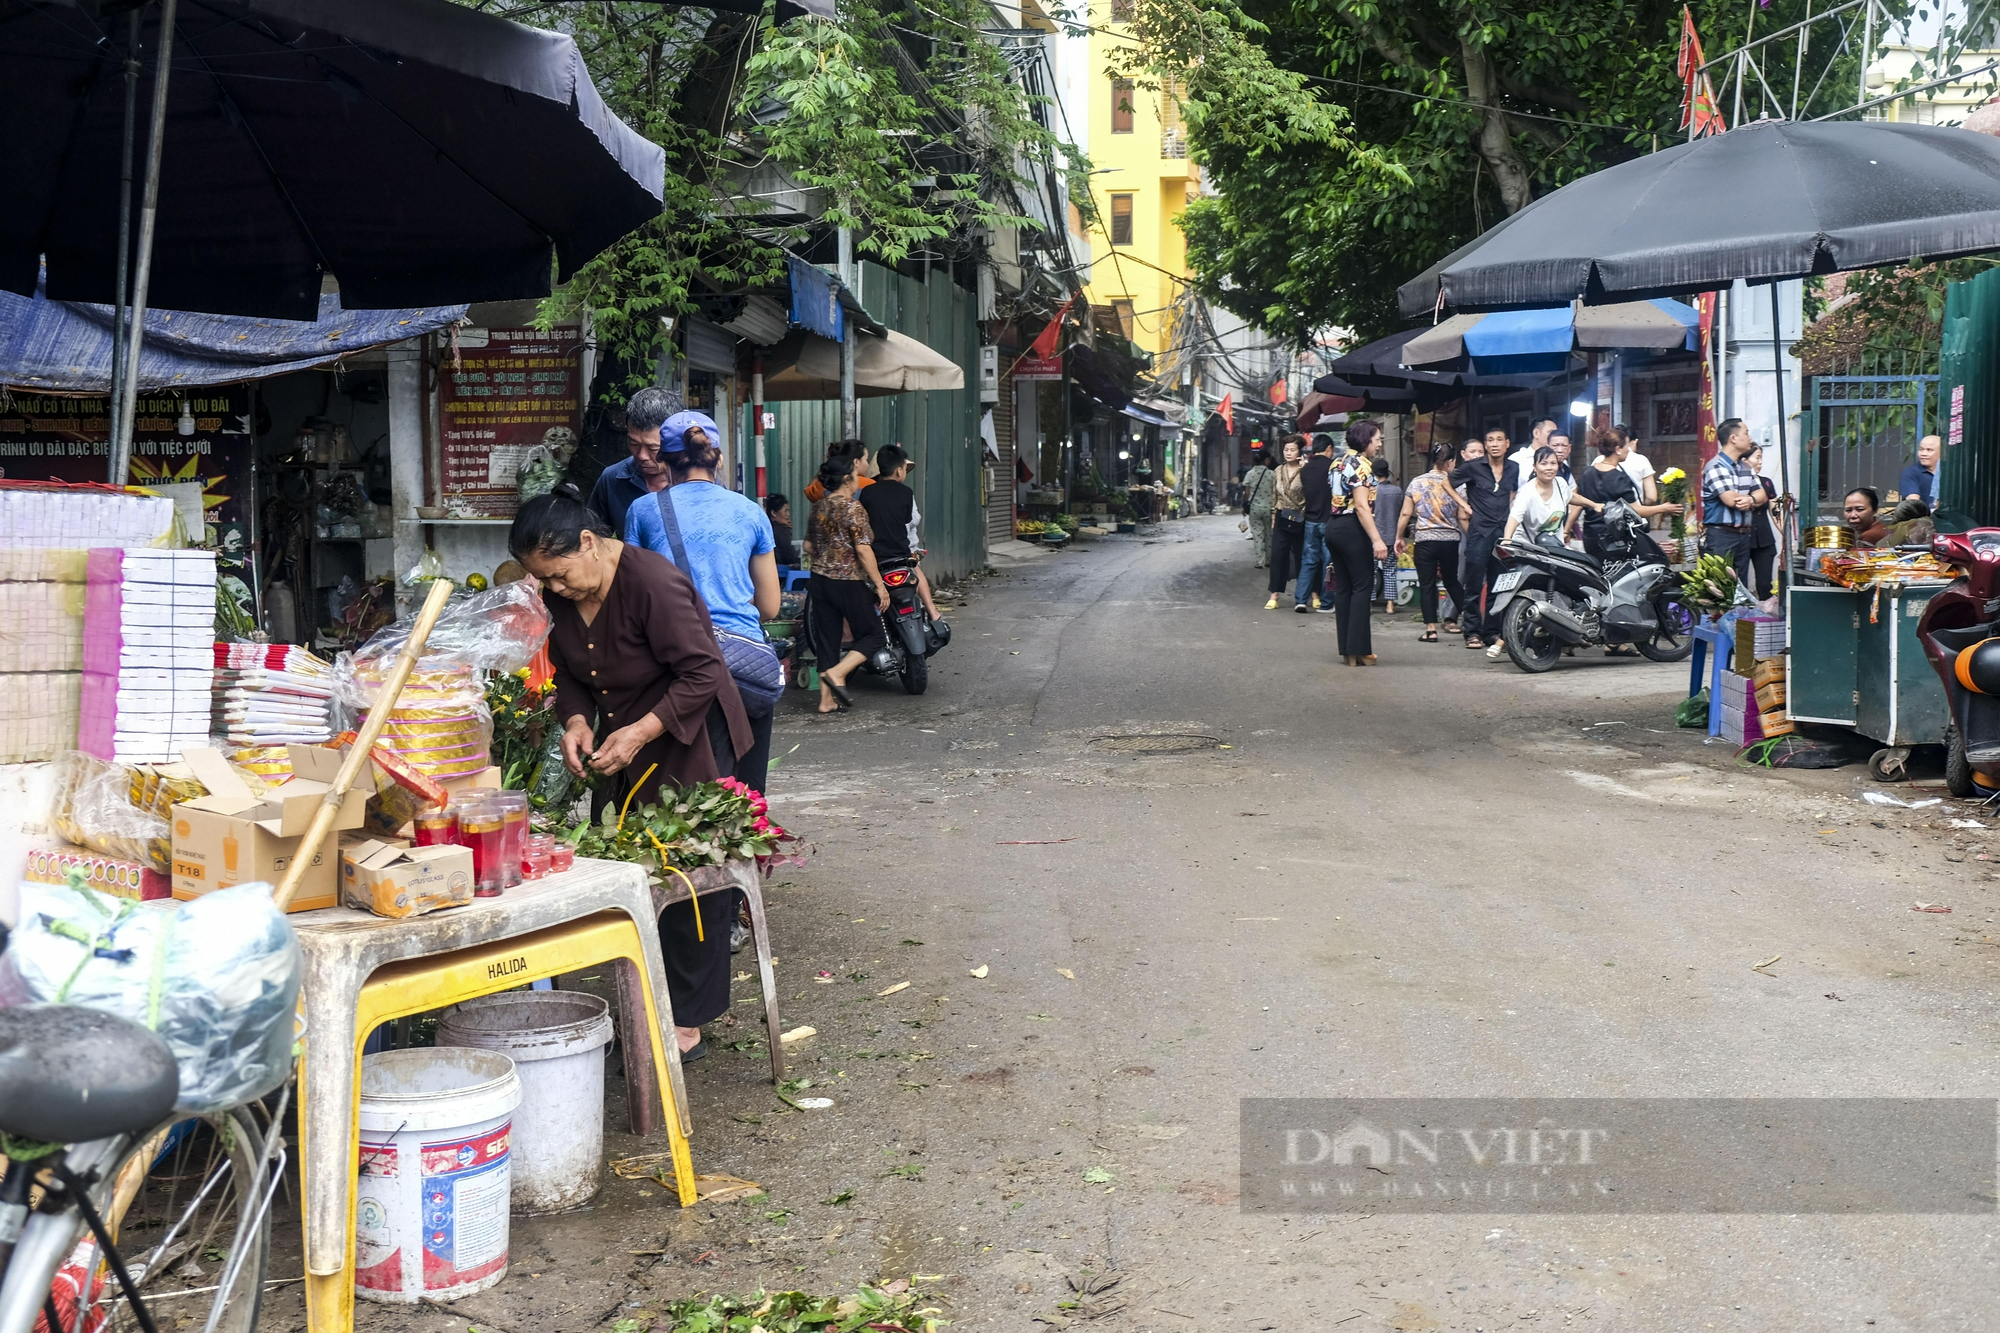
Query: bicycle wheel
195, 1224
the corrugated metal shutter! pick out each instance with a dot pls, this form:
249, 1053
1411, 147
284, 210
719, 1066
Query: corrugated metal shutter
710, 348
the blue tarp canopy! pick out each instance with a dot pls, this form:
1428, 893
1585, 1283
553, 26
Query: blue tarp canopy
64, 347
1527, 341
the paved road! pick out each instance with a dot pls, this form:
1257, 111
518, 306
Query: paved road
1439, 877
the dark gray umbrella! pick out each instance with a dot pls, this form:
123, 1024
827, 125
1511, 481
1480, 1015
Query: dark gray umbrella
420, 151
1765, 202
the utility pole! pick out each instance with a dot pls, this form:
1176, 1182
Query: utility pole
850, 410
124, 414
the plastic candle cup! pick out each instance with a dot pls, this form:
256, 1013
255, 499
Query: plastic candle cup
436, 827
483, 828
514, 816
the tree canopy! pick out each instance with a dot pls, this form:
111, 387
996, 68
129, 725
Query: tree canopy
1379, 136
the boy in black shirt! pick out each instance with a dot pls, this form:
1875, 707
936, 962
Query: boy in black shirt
891, 507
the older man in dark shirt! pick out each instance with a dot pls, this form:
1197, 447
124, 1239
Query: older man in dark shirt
1489, 484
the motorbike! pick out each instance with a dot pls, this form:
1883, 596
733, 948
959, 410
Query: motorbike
1549, 598
912, 637
1956, 629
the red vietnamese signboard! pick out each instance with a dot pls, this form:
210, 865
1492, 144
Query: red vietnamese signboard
508, 390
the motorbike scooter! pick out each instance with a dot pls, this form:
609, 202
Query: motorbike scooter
911, 636
1550, 598
1960, 634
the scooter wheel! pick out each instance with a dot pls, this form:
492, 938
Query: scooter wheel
1957, 769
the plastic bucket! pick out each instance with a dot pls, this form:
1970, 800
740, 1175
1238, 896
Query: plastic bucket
556, 1040
430, 1219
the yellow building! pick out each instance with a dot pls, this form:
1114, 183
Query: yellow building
1142, 180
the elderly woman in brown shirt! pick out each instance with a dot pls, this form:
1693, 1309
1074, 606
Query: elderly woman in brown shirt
644, 695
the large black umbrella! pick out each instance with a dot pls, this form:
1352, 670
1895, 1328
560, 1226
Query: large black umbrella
418, 151
421, 152
1766, 202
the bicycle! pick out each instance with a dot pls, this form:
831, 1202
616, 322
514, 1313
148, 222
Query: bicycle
94, 1149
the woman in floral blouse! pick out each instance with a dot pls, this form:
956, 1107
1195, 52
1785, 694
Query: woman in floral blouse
1352, 543
846, 587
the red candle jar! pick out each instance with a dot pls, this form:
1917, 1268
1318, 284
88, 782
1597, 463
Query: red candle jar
561, 857
514, 817
436, 827
483, 828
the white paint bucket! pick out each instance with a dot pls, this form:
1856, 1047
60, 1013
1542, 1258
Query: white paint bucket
556, 1040
430, 1219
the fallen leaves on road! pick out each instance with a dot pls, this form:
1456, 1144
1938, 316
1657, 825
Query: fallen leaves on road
892, 1307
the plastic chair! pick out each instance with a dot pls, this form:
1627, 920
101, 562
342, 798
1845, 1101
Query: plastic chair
363, 971
791, 580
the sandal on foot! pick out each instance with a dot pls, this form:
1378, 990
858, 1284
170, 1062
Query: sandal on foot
1428, 636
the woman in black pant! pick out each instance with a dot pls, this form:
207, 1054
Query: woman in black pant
1430, 527
846, 587
1352, 543
1288, 521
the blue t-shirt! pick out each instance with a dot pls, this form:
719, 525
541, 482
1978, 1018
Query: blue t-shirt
1919, 480
721, 531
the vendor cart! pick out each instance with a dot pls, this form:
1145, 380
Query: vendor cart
1855, 662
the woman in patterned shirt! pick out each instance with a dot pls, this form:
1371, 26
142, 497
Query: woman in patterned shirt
1352, 542
839, 541
1439, 517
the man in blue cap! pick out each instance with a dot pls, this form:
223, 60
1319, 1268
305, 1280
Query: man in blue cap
631, 479
728, 546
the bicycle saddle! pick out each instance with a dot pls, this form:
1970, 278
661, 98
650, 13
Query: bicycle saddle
70, 1074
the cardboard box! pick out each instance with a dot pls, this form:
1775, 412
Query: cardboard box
1771, 697
489, 777
1768, 669
394, 879
232, 836
1776, 724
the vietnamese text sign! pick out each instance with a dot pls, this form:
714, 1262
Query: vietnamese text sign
54, 437
509, 390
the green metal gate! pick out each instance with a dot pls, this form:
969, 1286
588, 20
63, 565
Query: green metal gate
1969, 401
1866, 422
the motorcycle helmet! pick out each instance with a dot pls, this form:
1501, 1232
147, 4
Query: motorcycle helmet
1978, 667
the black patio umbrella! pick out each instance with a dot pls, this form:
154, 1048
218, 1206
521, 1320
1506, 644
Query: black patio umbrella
418, 151
1769, 201
421, 152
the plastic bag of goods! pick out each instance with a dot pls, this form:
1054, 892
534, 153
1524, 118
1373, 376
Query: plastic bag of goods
441, 724
217, 977
402, 791
93, 807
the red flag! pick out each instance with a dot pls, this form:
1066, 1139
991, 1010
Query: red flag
1698, 105
1278, 391
1227, 409
1045, 345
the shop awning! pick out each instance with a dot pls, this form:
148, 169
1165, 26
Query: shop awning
1138, 413
806, 366
65, 347
1529, 340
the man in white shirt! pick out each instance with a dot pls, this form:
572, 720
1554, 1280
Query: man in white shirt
1640, 468
1523, 458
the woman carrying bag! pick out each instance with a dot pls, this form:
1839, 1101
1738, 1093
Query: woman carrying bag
1288, 520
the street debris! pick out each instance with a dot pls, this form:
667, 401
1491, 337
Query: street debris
1929, 907
1031, 842
797, 1034
979, 971
1884, 798
891, 990
814, 1103
1759, 967
1065, 974
824, 977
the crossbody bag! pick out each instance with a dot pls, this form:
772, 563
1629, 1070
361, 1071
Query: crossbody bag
760, 677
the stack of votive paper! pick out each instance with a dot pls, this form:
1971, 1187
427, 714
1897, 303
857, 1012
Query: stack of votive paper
272, 694
148, 653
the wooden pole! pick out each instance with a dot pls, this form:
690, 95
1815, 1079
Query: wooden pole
364, 744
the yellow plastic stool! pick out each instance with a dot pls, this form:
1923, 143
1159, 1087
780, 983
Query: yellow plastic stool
416, 985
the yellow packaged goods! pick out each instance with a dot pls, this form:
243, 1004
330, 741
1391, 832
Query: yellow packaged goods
1776, 723
394, 879
232, 835
91, 806
1771, 698
106, 874
1768, 670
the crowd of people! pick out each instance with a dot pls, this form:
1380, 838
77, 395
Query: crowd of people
1331, 525
659, 587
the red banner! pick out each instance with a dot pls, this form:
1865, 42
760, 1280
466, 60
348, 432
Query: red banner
1705, 412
